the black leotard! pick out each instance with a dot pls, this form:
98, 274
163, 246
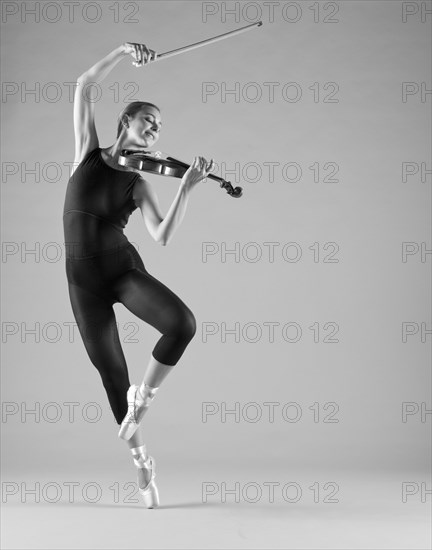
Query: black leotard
97, 207
103, 268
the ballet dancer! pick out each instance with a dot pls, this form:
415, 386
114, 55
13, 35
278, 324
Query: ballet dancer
103, 267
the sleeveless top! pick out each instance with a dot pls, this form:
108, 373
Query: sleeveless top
97, 207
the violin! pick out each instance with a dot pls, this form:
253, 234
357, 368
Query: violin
156, 162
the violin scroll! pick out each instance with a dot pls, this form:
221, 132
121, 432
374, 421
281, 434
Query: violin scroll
235, 192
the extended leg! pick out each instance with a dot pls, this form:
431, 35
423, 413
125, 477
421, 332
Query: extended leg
97, 325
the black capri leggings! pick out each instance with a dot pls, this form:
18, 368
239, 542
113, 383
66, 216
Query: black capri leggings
95, 284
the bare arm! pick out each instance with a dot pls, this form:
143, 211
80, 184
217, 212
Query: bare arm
86, 138
174, 215
103, 67
162, 228
141, 54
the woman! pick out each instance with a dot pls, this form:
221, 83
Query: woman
103, 267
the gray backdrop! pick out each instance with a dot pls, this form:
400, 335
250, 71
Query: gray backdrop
311, 291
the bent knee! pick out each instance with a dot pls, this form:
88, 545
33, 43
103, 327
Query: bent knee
189, 325
184, 325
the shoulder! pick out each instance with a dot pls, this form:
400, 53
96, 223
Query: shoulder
141, 190
141, 184
85, 152
145, 195
82, 156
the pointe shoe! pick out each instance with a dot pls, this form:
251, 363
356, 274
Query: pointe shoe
137, 407
150, 493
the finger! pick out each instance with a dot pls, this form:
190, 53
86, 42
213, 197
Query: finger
131, 46
146, 55
206, 166
137, 54
133, 53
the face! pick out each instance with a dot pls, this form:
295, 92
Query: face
144, 127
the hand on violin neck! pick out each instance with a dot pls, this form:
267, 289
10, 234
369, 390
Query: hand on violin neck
197, 171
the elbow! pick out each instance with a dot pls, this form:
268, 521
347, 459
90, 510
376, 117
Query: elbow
161, 237
85, 77
162, 240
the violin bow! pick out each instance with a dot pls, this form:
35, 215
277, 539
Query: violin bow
208, 41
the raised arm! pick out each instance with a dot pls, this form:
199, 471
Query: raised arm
86, 138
